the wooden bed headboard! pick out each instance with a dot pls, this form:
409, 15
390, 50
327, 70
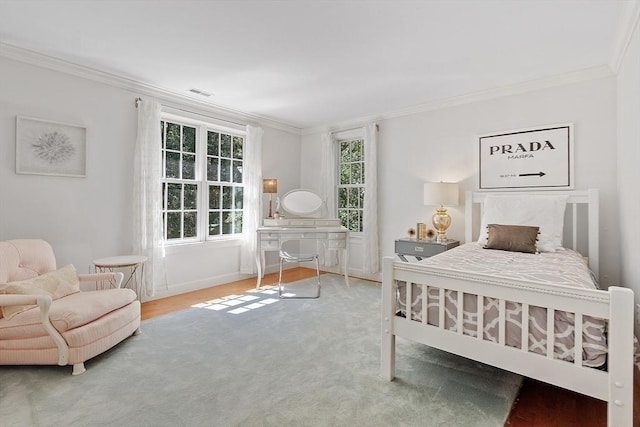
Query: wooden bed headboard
581, 222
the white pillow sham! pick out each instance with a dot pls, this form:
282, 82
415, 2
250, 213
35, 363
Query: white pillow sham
546, 212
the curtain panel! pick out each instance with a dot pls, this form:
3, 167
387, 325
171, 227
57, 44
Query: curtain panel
252, 201
329, 178
147, 196
370, 220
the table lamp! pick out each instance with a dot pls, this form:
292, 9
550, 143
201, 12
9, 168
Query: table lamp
270, 187
441, 194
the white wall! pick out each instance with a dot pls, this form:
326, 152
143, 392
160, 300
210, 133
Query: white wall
440, 145
89, 218
628, 164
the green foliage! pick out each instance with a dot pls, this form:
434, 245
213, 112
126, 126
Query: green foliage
351, 184
213, 143
189, 138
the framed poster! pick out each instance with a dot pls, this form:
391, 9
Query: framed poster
539, 158
50, 148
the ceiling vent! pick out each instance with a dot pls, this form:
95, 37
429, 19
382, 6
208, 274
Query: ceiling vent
199, 92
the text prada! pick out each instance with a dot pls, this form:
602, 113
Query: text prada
520, 148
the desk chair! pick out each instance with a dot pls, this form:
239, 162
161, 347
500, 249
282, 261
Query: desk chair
289, 252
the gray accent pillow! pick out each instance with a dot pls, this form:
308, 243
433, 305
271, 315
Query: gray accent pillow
513, 238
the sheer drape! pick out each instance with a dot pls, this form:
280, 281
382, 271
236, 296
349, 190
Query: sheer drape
370, 219
147, 195
329, 176
252, 204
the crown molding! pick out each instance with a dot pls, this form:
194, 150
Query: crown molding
627, 24
498, 92
140, 88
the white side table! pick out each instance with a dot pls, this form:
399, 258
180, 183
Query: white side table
135, 264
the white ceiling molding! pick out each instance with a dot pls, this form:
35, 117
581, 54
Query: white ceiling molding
627, 25
139, 88
533, 85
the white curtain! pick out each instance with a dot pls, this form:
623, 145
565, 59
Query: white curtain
370, 220
329, 178
147, 196
252, 204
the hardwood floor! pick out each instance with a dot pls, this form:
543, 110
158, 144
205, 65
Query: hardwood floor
538, 404
183, 301
541, 404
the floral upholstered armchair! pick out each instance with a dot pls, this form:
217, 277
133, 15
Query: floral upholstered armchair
44, 317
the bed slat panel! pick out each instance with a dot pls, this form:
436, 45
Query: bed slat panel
524, 338
550, 332
441, 307
425, 303
460, 312
502, 321
480, 325
578, 339
409, 301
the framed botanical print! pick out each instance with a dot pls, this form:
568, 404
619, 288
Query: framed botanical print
45, 147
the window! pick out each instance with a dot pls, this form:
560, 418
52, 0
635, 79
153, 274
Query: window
351, 184
202, 183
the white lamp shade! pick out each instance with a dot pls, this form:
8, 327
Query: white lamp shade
441, 194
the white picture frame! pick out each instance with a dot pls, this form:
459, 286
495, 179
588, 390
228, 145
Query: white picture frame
532, 158
45, 147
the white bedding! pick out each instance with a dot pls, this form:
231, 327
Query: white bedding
563, 267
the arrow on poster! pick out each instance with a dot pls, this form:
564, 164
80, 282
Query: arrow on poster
540, 174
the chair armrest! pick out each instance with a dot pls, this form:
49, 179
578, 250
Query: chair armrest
115, 278
44, 304
11, 299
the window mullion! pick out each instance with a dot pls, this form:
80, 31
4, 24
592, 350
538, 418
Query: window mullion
201, 177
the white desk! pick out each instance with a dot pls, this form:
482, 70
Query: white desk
332, 237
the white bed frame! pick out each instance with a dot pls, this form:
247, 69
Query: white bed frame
615, 305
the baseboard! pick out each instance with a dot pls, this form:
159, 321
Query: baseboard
196, 285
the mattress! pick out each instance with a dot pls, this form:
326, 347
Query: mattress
563, 267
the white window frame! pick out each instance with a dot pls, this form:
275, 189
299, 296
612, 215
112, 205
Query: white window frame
202, 127
340, 138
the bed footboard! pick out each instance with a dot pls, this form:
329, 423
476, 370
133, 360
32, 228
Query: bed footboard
613, 384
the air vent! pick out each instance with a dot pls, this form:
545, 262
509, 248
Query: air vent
199, 92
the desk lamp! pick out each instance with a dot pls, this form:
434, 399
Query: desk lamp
270, 187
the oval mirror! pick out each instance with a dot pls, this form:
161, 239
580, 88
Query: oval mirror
301, 202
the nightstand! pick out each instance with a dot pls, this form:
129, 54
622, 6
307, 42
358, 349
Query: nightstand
422, 248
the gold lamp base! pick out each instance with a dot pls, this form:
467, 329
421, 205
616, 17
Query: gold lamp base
441, 222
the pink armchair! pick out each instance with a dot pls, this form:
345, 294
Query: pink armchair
44, 317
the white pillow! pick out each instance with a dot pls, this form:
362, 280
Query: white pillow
546, 212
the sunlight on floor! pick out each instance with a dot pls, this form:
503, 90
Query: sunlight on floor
238, 304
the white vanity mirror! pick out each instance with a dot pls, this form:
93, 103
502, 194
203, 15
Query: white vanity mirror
301, 203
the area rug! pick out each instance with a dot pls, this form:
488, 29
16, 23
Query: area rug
256, 360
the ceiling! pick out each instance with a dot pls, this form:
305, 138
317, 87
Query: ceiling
310, 63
